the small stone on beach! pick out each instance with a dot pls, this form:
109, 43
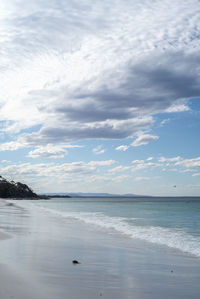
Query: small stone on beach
75, 262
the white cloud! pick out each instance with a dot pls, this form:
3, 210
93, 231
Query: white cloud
145, 165
150, 159
99, 178
196, 174
12, 145
54, 76
189, 170
182, 165
169, 160
54, 169
48, 151
138, 165
74, 70
102, 163
69, 175
120, 168
164, 121
144, 139
5, 161
121, 178
122, 148
39, 151
167, 163
188, 163
138, 179
138, 161
98, 150
42, 176
178, 108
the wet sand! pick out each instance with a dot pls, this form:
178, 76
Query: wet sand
37, 262
4, 236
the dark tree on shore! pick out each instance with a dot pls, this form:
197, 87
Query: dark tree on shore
15, 190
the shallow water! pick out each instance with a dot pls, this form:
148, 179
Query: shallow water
173, 222
110, 239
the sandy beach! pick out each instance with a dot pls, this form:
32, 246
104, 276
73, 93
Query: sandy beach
37, 253
4, 236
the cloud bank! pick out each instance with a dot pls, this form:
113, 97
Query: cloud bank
111, 172
79, 70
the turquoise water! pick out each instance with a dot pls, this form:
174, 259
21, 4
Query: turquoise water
165, 221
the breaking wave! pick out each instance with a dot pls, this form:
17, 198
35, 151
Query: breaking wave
174, 238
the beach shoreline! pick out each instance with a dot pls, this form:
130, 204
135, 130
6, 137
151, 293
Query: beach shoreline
40, 255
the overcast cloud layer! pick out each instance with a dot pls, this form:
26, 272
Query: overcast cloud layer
81, 70
85, 70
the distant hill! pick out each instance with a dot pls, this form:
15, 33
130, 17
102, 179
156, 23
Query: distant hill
82, 194
11, 189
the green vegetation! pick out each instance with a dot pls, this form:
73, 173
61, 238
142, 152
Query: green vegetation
15, 190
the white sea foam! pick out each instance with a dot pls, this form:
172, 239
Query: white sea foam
173, 238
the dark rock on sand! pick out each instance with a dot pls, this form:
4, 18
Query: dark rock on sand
75, 262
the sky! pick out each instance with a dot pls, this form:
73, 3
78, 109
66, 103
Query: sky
101, 96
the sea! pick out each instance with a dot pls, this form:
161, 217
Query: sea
170, 222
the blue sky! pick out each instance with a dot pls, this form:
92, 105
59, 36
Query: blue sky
101, 96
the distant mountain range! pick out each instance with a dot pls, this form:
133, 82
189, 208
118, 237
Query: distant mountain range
82, 194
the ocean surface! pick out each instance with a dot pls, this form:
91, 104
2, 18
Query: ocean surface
172, 222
